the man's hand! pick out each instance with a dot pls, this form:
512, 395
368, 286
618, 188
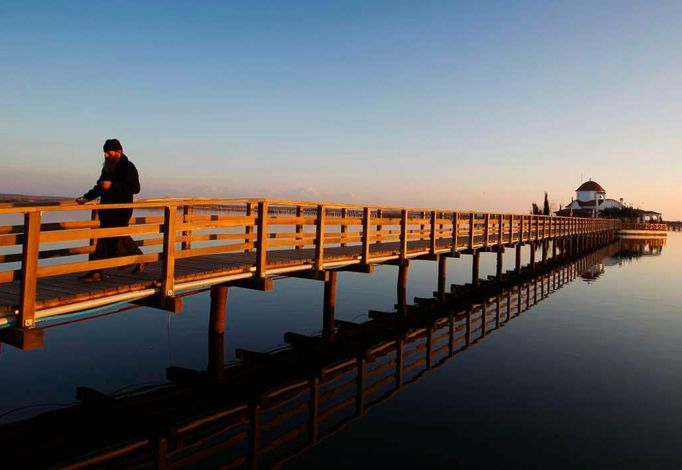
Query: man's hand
81, 200
105, 185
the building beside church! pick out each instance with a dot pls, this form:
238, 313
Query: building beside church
591, 201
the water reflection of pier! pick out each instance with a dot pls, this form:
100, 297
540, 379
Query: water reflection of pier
272, 406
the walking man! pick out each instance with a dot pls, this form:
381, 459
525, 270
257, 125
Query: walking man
116, 185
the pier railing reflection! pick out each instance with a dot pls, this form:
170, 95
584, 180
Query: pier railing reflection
635, 248
273, 406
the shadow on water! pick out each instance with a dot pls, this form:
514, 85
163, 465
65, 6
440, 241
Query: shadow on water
270, 407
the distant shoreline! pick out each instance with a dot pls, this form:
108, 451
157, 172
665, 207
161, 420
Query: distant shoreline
30, 198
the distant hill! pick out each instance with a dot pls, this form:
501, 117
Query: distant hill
5, 198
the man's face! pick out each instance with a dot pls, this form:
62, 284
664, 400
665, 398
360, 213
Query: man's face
112, 154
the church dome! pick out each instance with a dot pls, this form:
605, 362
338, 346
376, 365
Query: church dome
591, 186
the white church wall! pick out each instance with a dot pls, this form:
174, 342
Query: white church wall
610, 204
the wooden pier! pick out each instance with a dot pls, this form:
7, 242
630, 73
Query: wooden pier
270, 407
194, 244
674, 226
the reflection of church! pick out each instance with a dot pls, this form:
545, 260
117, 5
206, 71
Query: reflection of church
591, 200
631, 249
637, 248
627, 250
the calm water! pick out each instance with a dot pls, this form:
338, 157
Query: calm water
589, 377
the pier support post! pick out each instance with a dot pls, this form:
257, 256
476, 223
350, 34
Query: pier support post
216, 333
571, 243
328, 329
517, 266
554, 249
500, 261
476, 258
403, 271
218, 309
533, 247
545, 249
442, 275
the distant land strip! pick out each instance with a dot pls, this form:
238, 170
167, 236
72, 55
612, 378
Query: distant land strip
30, 198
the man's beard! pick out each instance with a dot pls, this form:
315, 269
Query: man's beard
110, 164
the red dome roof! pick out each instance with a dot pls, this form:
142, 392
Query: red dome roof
591, 186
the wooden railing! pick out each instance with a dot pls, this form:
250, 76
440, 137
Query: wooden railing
177, 229
643, 226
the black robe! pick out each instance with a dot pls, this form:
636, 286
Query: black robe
124, 183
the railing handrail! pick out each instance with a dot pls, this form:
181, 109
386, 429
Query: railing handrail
643, 226
160, 203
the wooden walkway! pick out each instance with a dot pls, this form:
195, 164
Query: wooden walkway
270, 407
198, 243
201, 271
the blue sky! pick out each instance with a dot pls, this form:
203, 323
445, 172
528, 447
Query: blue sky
480, 105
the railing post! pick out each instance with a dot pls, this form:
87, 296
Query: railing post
93, 241
544, 227
250, 229
552, 227
168, 254
529, 227
511, 228
486, 231
403, 235
472, 231
455, 230
29, 269
365, 235
344, 228
187, 234
379, 227
262, 237
537, 227
521, 230
319, 237
432, 244
500, 220
299, 227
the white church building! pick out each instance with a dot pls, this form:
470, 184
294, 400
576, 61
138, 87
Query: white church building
591, 200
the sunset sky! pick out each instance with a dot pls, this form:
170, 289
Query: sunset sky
463, 105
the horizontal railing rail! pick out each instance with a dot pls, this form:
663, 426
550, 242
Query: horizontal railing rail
643, 226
